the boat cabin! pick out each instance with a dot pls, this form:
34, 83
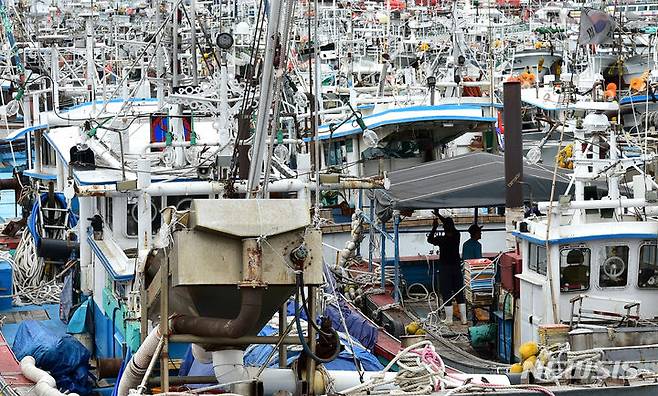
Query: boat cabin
587, 275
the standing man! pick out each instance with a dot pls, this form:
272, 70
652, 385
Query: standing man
472, 248
451, 279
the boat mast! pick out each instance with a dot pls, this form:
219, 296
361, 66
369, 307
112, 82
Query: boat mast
264, 101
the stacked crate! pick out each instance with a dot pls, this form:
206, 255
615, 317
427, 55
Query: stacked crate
551, 334
6, 286
479, 278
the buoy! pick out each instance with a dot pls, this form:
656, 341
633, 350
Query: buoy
516, 368
411, 328
527, 79
529, 363
528, 349
609, 94
638, 84
564, 157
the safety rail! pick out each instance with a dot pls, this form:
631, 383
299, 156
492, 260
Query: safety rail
598, 315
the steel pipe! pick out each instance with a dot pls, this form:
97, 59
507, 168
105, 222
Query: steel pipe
252, 301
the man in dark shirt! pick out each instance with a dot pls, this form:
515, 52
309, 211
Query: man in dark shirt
451, 279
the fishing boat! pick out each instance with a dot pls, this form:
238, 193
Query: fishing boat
178, 169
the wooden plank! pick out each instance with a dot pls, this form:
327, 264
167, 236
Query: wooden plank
153, 290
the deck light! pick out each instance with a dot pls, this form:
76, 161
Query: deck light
370, 138
224, 41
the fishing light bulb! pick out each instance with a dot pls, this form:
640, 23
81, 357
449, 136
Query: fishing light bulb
12, 108
370, 138
281, 152
168, 156
533, 156
192, 155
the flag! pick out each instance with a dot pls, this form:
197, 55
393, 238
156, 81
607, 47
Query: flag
596, 27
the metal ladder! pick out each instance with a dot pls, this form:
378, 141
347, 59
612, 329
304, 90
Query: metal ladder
47, 213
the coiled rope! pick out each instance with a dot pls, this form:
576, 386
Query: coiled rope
29, 284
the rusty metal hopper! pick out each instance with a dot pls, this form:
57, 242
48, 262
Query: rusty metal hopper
207, 258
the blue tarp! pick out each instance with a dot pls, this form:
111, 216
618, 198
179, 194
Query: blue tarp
64, 357
78, 322
256, 355
357, 325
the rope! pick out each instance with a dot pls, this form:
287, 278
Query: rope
30, 287
562, 364
421, 372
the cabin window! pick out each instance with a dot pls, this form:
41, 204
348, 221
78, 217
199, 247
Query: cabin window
132, 215
183, 202
537, 260
613, 266
48, 154
108, 211
335, 153
574, 269
647, 277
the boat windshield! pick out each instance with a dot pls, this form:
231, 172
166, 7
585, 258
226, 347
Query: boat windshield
648, 273
574, 269
614, 266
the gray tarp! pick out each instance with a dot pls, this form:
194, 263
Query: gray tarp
466, 181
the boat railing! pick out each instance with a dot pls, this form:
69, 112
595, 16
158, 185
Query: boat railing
505, 30
581, 314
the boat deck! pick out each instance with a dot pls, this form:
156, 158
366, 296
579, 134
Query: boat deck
10, 371
47, 315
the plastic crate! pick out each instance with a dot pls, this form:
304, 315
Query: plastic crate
505, 339
6, 285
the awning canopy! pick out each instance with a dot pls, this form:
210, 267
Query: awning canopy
466, 181
19, 133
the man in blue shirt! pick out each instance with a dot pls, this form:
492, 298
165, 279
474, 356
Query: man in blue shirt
472, 248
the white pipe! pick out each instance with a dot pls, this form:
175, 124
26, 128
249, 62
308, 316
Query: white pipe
176, 143
86, 211
228, 365
136, 368
184, 188
213, 187
446, 84
53, 120
206, 188
602, 204
288, 141
144, 206
176, 130
613, 179
45, 383
102, 152
343, 380
200, 354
